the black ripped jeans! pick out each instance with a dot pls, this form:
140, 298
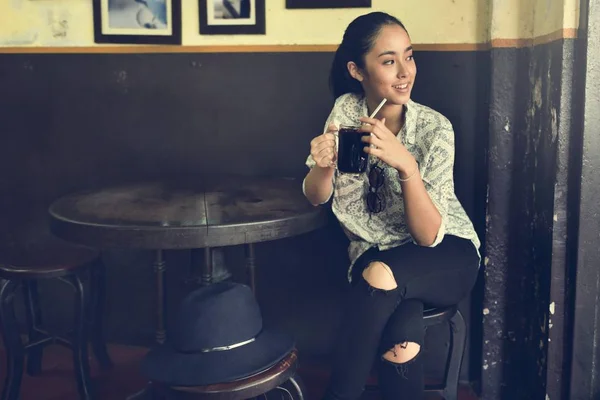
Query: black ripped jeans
376, 320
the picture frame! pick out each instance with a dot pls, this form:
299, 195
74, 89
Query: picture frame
232, 17
298, 4
137, 21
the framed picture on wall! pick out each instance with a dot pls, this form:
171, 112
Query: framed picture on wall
232, 17
327, 3
137, 21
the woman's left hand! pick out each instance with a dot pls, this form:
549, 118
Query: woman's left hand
387, 146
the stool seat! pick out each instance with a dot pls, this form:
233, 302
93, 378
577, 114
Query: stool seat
435, 316
250, 387
44, 257
44, 260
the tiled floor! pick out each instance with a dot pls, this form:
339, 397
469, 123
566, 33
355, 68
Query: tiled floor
57, 383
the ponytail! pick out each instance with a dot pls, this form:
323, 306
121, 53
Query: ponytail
340, 80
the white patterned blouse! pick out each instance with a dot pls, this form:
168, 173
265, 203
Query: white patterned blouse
429, 137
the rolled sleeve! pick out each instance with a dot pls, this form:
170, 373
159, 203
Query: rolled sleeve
437, 174
304, 191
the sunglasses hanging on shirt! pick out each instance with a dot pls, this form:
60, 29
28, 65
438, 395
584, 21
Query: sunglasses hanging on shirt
375, 199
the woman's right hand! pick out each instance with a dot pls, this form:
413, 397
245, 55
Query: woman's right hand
322, 148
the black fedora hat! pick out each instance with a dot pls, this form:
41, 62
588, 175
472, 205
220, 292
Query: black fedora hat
218, 337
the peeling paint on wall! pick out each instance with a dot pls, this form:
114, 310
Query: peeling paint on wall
58, 25
464, 21
25, 39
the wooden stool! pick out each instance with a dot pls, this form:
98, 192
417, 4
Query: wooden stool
458, 339
281, 377
21, 268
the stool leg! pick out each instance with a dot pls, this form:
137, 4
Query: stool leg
458, 340
293, 388
15, 353
150, 392
33, 315
81, 362
298, 385
97, 299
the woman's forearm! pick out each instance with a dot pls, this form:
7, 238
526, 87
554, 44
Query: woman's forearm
318, 184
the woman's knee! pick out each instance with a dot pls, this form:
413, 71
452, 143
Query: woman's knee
379, 276
402, 353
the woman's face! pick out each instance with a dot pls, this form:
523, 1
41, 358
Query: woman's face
390, 69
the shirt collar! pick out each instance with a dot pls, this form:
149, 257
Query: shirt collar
409, 124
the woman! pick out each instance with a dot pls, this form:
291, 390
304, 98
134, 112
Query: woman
411, 242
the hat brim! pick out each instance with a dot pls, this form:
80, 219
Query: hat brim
166, 365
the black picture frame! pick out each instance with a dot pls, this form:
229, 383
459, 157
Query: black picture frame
144, 36
251, 26
297, 4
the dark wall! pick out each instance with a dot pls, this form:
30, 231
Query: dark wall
584, 366
530, 242
69, 122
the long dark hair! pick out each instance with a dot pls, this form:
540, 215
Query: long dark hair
357, 42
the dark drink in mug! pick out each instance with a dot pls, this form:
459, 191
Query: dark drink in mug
351, 156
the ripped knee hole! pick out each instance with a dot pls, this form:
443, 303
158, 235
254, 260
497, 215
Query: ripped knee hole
379, 276
402, 352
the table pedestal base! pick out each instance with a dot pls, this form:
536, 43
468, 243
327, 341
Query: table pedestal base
160, 268
206, 278
198, 271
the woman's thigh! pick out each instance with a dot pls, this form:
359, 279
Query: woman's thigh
438, 276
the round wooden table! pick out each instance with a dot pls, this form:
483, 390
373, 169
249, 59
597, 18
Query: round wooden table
186, 213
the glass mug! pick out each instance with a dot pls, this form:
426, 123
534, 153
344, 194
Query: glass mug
351, 157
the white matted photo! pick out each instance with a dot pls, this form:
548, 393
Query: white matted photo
137, 21
232, 16
232, 12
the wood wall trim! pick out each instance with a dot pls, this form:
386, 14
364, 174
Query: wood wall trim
109, 49
568, 33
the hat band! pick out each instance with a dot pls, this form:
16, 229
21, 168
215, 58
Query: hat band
231, 346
